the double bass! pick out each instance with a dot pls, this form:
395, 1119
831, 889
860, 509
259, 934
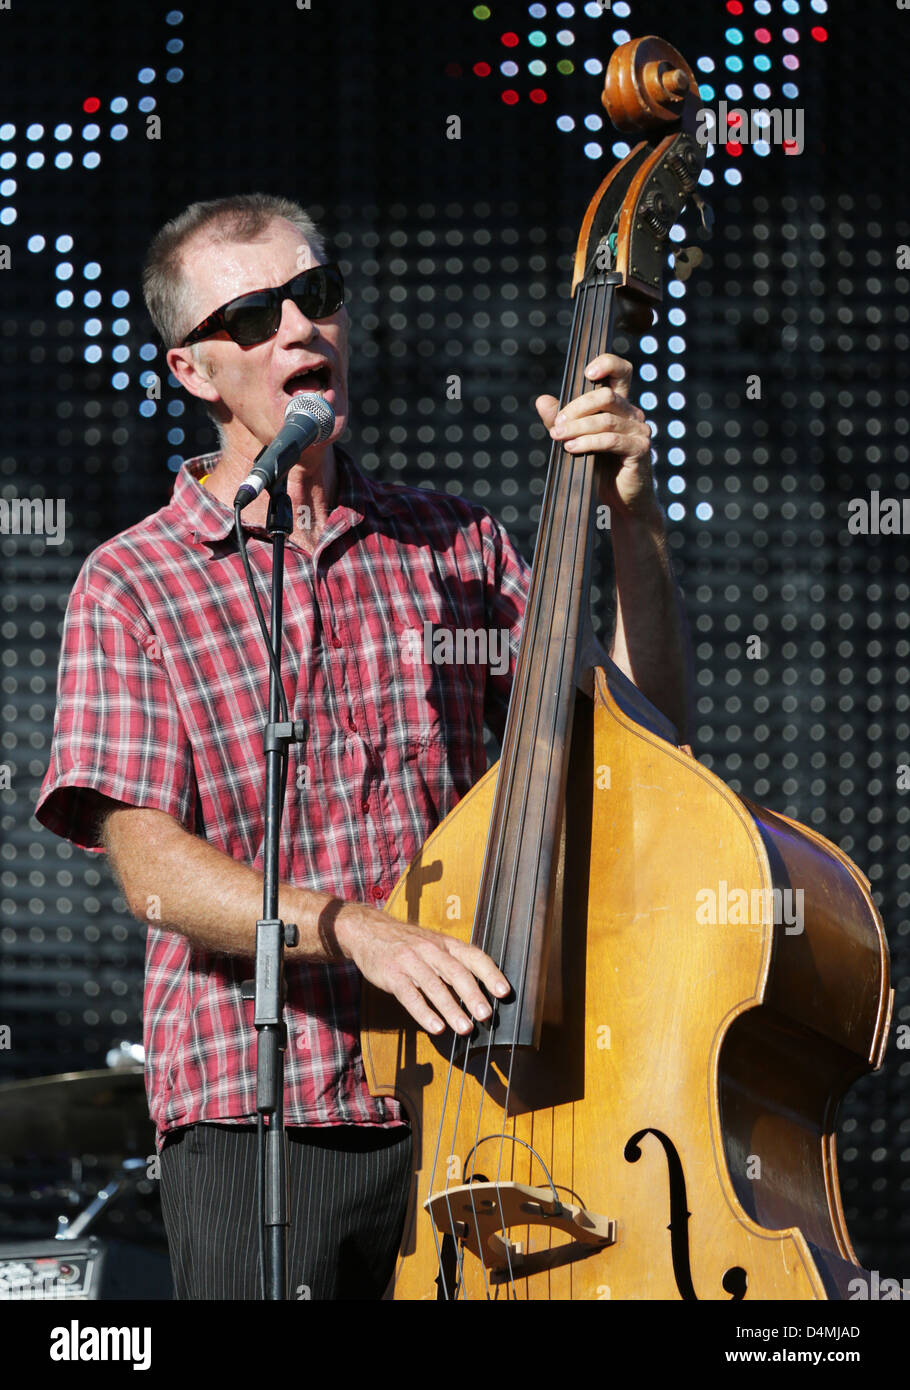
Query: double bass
651, 1114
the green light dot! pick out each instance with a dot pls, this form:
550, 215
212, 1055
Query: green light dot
565, 65
537, 37
481, 12
537, 67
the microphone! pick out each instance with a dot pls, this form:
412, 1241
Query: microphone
309, 419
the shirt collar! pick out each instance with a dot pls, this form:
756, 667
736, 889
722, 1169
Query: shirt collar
208, 519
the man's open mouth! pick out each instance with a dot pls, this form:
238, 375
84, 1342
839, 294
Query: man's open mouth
318, 379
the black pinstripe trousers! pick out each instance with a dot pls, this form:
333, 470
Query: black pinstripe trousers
348, 1189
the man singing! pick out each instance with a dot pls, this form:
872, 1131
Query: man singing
157, 744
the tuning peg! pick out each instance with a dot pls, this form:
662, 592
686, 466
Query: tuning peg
685, 261
705, 212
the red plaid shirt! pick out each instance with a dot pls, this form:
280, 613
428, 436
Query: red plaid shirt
161, 695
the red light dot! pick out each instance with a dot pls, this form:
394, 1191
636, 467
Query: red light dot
510, 40
763, 35
481, 69
538, 95
734, 7
509, 97
790, 147
91, 104
819, 34
735, 150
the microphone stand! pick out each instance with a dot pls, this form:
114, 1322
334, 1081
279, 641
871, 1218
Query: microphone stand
272, 935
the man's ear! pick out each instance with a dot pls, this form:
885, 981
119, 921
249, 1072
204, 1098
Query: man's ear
191, 375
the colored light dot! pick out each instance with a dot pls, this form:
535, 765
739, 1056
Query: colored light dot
119, 298
174, 74
147, 103
482, 12
762, 91
819, 34
791, 61
174, 45
508, 68
91, 160
120, 381
509, 97
734, 36
119, 132
733, 149
705, 92
147, 408
791, 35
121, 353
173, 17
565, 65
175, 436
762, 62
791, 6
565, 10
481, 69
705, 64
537, 96
537, 38
510, 40
734, 7
537, 11
148, 352
790, 147
790, 90
36, 243
763, 35
537, 67
819, 6
119, 105
146, 75
761, 147
91, 105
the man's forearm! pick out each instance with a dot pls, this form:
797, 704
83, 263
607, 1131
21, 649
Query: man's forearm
650, 642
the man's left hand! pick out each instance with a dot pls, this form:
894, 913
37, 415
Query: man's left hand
604, 421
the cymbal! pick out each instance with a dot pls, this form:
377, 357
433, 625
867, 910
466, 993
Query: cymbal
77, 1112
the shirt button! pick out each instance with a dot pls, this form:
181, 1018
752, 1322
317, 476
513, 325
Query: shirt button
351, 725
377, 894
336, 640
365, 807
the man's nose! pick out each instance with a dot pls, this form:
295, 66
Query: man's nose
294, 323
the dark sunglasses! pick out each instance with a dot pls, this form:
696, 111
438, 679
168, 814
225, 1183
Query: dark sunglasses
251, 318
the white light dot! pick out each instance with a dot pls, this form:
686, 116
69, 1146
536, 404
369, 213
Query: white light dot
593, 150
35, 160
91, 131
7, 160
92, 353
63, 132
705, 64
119, 105
565, 123
119, 298
64, 243
91, 299
36, 243
593, 66
676, 511
34, 132
92, 327
7, 131
121, 326
7, 188
733, 176
91, 270
565, 37
704, 511
64, 299
676, 483
64, 271
120, 381
8, 216
91, 160
593, 122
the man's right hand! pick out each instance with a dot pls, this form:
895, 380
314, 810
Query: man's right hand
426, 971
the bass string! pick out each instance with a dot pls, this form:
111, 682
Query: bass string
598, 322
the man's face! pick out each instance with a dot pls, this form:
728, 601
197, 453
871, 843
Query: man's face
255, 383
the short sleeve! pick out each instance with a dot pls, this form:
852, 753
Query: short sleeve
508, 577
117, 727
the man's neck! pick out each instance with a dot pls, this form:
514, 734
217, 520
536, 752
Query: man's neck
312, 488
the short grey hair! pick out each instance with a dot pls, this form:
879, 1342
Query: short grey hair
245, 217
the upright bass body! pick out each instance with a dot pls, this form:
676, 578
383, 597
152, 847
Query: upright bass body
683, 1096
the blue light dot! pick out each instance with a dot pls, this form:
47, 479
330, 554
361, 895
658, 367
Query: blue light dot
7, 131
565, 37
147, 104
706, 178
63, 132
733, 63
791, 6
175, 436
173, 17
819, 6
705, 91
536, 67
34, 132
734, 36
91, 131
676, 484
704, 511
175, 463
593, 122
119, 132
733, 176
762, 90
91, 270
146, 75
648, 344
594, 11
175, 74
565, 123
537, 11
147, 408
537, 38
92, 353
7, 188
36, 243
676, 457
761, 147
762, 62
119, 298
565, 10
121, 353
647, 371
175, 408
622, 9
121, 326
8, 216
620, 36
790, 90
7, 160
63, 160
35, 160
676, 511
621, 149
676, 344
763, 6
64, 271
705, 64
146, 379
148, 352
119, 105
593, 66
92, 327
64, 299
120, 381
91, 160
174, 45
508, 68
91, 299
593, 150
